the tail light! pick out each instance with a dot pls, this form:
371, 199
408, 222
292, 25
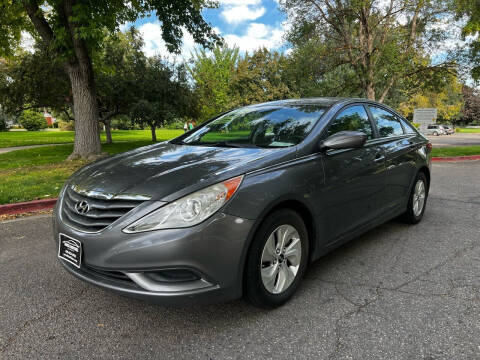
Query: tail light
429, 146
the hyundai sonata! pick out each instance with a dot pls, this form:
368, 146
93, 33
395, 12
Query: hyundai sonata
240, 205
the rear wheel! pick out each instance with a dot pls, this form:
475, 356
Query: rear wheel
277, 259
435, 133
417, 200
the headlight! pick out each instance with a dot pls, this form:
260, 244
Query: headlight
189, 210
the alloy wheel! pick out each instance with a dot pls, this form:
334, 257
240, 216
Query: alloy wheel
281, 259
418, 197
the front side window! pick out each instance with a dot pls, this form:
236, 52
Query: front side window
259, 126
387, 123
353, 118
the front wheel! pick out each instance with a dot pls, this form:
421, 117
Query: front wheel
417, 200
277, 259
435, 133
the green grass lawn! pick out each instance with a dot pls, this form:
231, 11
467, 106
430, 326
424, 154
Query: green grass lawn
39, 173
456, 151
463, 130
21, 138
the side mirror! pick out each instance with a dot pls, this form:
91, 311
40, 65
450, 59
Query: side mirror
344, 140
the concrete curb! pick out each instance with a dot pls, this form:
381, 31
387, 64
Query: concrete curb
29, 206
456, 158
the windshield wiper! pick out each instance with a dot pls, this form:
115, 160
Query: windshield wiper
265, 146
221, 143
229, 144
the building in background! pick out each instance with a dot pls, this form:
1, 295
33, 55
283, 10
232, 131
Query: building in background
49, 118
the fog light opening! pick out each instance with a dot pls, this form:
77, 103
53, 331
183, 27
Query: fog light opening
172, 276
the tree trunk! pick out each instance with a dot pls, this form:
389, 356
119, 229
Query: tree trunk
108, 131
370, 83
80, 71
154, 134
87, 134
370, 91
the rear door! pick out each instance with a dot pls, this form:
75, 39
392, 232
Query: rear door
398, 143
355, 178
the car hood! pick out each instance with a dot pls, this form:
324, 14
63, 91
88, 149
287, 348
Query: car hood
167, 171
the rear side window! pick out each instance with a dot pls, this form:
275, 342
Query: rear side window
353, 118
407, 127
387, 123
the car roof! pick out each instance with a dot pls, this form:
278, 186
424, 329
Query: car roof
326, 101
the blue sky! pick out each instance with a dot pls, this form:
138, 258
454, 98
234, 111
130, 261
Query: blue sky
247, 24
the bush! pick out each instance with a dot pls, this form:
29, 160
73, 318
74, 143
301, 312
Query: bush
177, 123
32, 120
66, 125
123, 123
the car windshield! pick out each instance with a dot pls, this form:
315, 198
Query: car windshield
259, 126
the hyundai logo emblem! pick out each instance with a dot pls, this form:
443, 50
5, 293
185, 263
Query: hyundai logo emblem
82, 207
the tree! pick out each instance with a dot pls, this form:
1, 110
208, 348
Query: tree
213, 75
224, 79
471, 108
382, 44
34, 81
116, 67
310, 77
471, 9
31, 80
260, 77
72, 29
163, 94
11, 24
448, 102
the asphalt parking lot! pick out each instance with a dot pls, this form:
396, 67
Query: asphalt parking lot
397, 292
457, 139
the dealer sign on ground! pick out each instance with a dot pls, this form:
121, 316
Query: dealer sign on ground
424, 117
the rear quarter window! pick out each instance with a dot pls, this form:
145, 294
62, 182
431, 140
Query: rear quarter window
407, 126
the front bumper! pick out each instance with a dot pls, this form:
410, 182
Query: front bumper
213, 250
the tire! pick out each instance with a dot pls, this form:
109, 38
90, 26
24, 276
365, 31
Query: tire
435, 133
413, 215
262, 292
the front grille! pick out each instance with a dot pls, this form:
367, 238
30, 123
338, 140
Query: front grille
101, 213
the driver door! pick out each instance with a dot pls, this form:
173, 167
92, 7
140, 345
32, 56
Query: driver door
354, 178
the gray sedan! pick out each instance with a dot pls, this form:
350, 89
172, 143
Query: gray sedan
240, 205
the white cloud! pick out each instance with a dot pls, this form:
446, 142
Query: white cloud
241, 13
237, 11
154, 44
257, 35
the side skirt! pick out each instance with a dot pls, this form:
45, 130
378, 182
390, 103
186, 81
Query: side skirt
356, 233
